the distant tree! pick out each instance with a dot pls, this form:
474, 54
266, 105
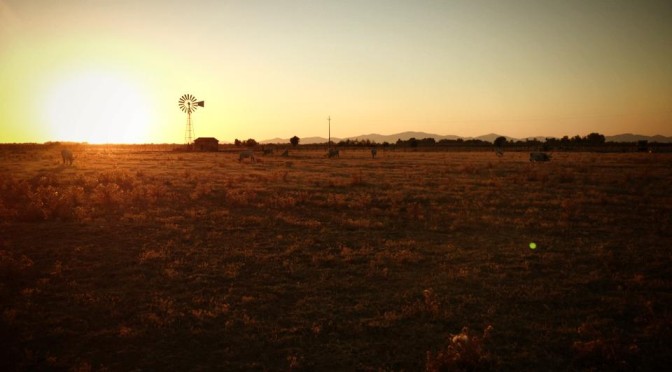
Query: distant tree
643, 146
577, 140
428, 141
595, 139
237, 143
294, 141
413, 142
499, 145
551, 143
251, 142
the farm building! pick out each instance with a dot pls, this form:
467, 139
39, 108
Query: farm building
206, 144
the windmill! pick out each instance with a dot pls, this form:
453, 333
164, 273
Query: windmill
189, 104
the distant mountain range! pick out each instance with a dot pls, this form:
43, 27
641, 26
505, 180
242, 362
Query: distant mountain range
404, 136
629, 137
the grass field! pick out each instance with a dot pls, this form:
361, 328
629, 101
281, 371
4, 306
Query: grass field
154, 260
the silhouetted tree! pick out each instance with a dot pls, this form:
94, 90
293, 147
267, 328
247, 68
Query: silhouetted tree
428, 141
595, 139
294, 141
499, 145
643, 146
413, 142
237, 143
551, 143
250, 142
577, 140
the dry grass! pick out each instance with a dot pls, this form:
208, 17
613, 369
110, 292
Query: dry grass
184, 261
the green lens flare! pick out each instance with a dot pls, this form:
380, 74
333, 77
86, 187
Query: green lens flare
533, 245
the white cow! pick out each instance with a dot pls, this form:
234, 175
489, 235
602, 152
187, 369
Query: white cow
247, 154
67, 156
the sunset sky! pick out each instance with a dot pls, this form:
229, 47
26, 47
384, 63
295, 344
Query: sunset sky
113, 70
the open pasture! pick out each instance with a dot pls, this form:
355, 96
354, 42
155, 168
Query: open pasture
156, 260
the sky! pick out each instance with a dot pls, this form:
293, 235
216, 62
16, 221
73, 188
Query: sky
112, 71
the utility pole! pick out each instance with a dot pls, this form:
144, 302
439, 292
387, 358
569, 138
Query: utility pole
329, 119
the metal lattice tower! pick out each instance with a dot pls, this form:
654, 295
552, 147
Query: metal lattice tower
189, 132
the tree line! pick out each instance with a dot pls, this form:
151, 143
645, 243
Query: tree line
594, 141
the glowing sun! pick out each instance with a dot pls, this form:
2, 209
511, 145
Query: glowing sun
97, 107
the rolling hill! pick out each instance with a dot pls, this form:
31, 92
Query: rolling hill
404, 136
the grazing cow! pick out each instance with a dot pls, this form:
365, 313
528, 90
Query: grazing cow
247, 154
374, 152
539, 156
333, 152
67, 156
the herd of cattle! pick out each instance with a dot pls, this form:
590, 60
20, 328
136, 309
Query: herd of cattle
332, 152
68, 157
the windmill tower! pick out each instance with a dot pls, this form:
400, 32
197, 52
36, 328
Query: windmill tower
189, 104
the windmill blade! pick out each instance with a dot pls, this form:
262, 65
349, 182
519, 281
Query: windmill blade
189, 104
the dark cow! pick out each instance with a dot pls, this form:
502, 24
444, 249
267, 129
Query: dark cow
333, 152
539, 156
